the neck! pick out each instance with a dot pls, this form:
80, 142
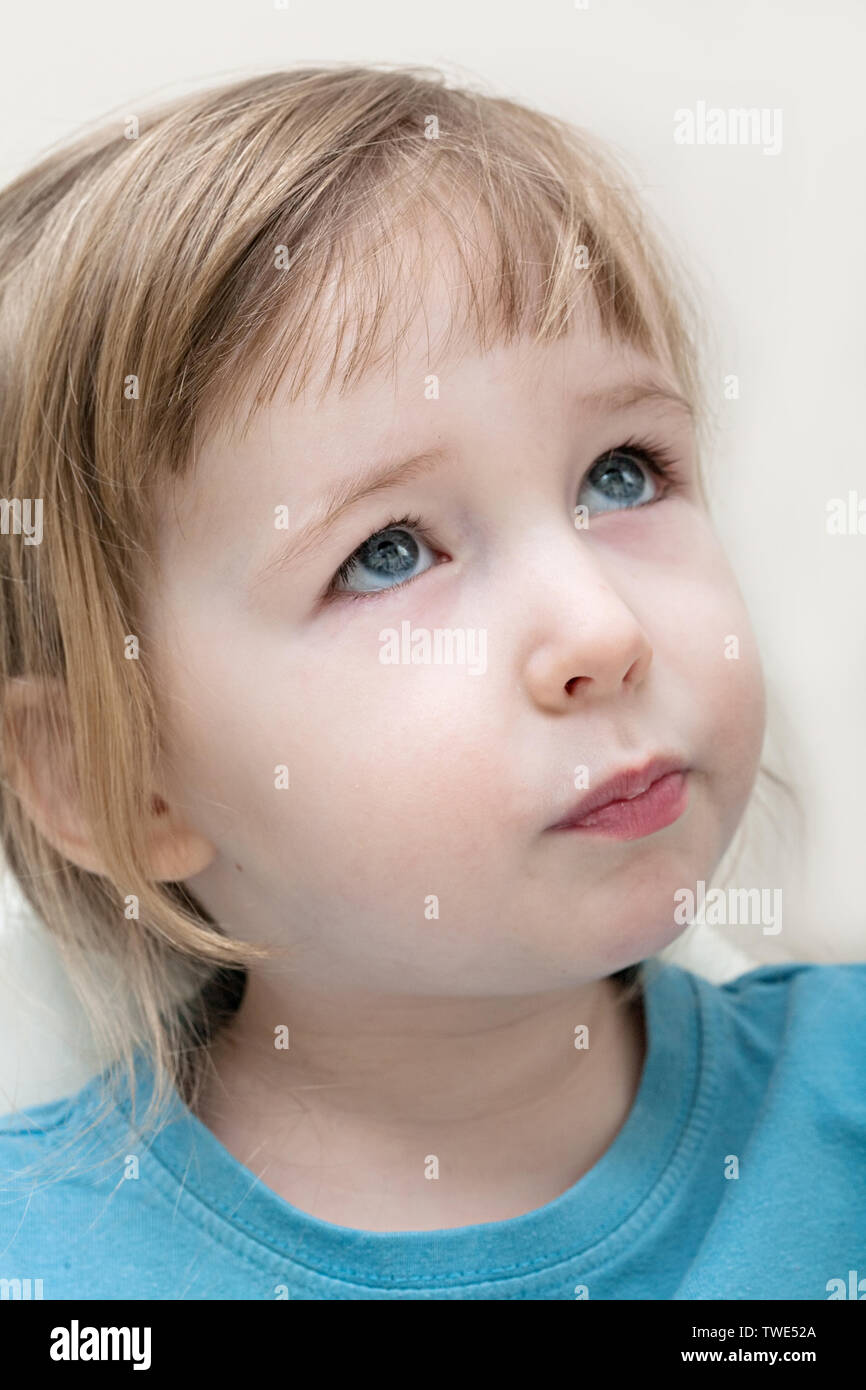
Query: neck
391, 1113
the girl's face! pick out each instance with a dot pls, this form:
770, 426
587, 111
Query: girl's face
411, 849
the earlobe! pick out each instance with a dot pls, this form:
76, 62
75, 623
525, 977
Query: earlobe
175, 851
39, 764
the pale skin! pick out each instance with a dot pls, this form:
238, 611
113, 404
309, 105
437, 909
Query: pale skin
451, 1035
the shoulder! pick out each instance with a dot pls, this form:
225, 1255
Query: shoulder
66, 1212
44, 1146
832, 994
29, 1126
802, 1024
788, 992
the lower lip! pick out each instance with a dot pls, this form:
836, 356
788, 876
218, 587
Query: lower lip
661, 804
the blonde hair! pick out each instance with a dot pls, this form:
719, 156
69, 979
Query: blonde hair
156, 257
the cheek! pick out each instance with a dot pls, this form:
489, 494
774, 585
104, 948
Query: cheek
388, 768
678, 580
713, 647
395, 768
739, 718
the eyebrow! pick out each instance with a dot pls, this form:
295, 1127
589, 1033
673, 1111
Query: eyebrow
340, 498
394, 472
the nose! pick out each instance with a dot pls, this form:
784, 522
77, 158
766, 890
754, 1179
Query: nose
587, 643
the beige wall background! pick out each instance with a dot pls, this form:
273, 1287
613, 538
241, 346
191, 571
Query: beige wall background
775, 244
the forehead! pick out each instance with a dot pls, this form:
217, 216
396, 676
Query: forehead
410, 335
219, 517
393, 306
467, 401
432, 369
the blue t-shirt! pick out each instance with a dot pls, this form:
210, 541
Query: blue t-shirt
740, 1173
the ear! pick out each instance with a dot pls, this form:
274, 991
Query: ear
39, 763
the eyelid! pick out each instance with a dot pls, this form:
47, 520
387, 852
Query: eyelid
408, 523
658, 458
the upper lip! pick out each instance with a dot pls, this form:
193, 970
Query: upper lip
622, 786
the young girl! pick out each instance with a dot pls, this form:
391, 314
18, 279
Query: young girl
373, 696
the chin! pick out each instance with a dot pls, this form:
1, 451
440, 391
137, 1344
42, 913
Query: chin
644, 931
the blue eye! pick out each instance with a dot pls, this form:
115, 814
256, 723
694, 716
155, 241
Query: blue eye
621, 477
401, 550
386, 560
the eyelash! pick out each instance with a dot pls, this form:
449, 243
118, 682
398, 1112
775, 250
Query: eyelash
656, 457
410, 523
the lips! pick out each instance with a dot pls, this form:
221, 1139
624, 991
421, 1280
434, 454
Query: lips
624, 786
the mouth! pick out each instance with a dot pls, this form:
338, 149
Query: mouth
633, 803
